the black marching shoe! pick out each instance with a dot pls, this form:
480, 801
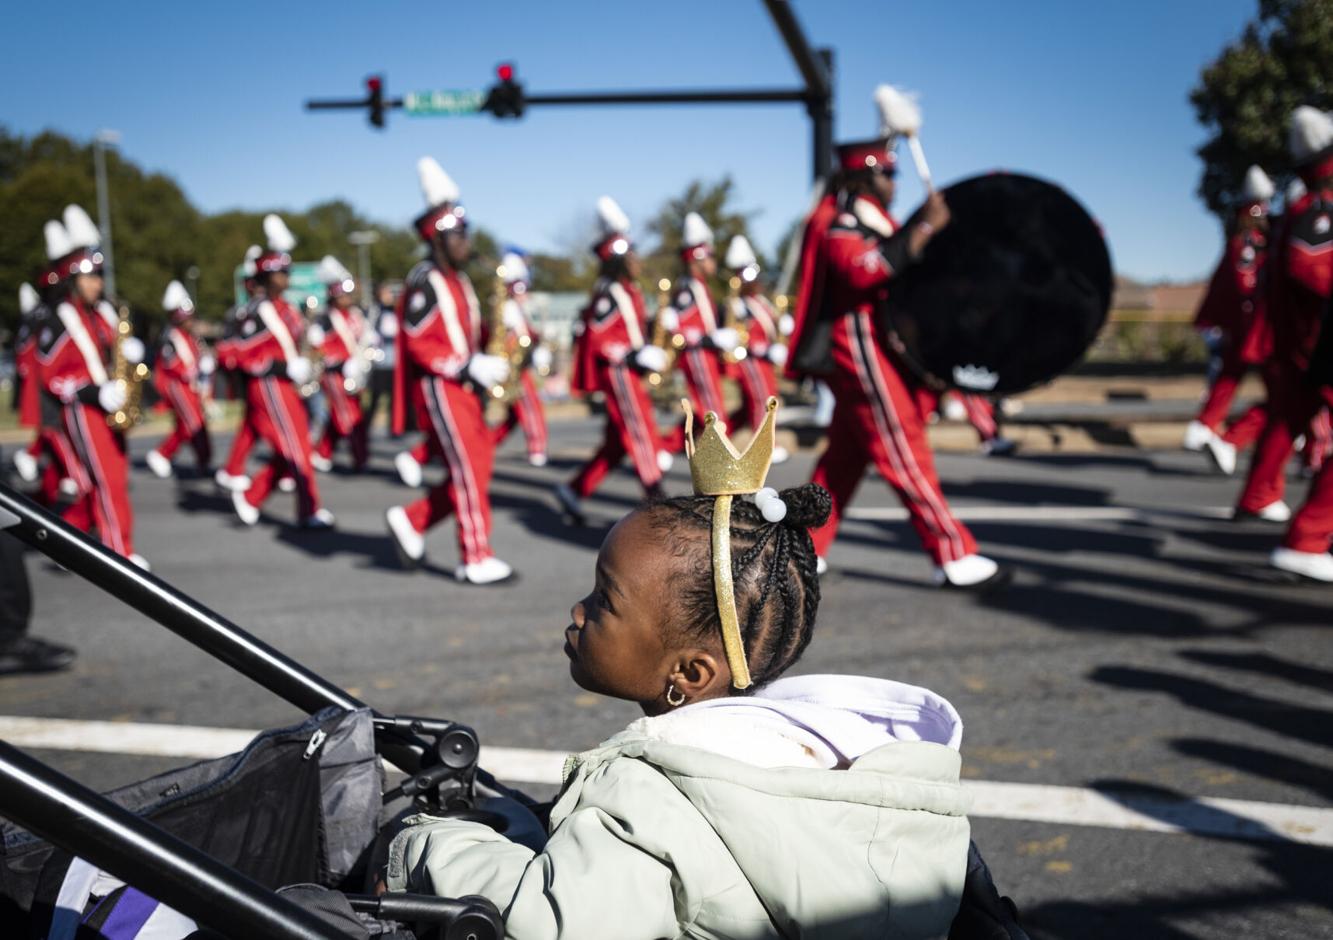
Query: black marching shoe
29, 654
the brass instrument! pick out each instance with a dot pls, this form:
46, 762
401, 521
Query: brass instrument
730, 319
672, 343
515, 350
315, 354
128, 376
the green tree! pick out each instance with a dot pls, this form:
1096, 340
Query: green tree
715, 202
1284, 58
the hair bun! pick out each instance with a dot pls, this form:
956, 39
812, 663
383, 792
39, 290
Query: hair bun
808, 506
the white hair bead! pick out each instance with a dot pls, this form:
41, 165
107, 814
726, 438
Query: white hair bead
774, 510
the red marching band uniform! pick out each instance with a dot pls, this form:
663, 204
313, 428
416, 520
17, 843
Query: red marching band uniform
764, 341
266, 350
340, 336
611, 355
1300, 282
181, 373
850, 251
526, 410
443, 371
232, 475
74, 346
39, 411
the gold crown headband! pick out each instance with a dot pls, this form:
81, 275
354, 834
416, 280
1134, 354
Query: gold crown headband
718, 470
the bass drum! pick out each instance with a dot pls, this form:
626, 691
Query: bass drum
1007, 296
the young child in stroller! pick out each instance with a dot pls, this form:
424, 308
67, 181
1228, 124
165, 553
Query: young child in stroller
743, 805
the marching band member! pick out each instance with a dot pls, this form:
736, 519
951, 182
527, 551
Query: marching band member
232, 475
441, 365
693, 316
526, 410
1233, 306
851, 249
961, 406
181, 372
40, 411
611, 355
1300, 274
765, 344
74, 349
267, 350
341, 335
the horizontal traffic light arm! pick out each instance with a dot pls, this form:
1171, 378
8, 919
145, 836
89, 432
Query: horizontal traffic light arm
700, 96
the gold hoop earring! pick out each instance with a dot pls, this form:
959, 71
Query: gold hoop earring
674, 702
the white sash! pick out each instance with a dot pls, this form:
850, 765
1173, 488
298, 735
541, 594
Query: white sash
92, 358
700, 294
269, 314
627, 313
444, 298
182, 346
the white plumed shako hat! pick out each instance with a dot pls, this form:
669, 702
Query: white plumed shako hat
515, 268
741, 258
1310, 138
440, 192
336, 278
696, 237
176, 301
279, 242
614, 227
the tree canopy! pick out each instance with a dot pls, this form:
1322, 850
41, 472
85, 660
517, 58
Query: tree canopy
1284, 58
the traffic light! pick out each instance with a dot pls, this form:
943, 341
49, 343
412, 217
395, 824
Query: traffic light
505, 98
375, 99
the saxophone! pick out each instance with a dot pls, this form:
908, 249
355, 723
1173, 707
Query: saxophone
128, 376
515, 351
672, 343
729, 318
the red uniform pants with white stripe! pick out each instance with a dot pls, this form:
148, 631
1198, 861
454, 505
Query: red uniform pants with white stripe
630, 429
703, 378
758, 384
980, 411
1311, 528
102, 472
190, 428
279, 419
877, 420
452, 417
53, 442
1217, 403
346, 421
245, 438
526, 410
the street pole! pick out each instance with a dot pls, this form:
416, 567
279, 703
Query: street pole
363, 241
192, 275
100, 142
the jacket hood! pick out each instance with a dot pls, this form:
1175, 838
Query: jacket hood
837, 797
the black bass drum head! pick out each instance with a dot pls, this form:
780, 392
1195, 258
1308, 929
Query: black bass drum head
1009, 295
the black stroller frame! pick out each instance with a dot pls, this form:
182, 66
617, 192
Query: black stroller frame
439, 758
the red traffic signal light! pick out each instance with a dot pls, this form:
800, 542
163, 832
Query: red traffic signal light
505, 71
375, 99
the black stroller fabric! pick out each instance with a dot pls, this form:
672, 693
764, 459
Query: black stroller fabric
298, 805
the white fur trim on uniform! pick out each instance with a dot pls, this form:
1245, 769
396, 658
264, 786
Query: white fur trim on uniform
1309, 134
611, 217
516, 269
437, 186
740, 254
82, 232
176, 297
899, 112
276, 233
58, 243
28, 299
1258, 187
696, 231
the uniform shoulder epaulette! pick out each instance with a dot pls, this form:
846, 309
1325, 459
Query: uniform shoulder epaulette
419, 275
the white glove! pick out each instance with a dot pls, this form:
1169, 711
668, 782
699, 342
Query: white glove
651, 358
131, 347
111, 396
777, 354
299, 370
725, 338
207, 365
786, 324
541, 359
353, 370
388, 326
513, 319
372, 340
669, 319
487, 371
314, 334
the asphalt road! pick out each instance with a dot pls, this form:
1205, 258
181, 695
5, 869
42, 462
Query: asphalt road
1137, 652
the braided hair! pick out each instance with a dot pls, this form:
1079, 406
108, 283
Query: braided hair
772, 564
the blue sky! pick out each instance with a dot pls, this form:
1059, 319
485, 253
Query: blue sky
1093, 96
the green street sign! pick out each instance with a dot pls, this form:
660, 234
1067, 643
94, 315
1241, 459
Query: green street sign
305, 292
455, 101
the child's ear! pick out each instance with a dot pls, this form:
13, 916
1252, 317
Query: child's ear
700, 673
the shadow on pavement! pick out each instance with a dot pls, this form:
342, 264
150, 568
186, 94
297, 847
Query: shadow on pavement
1282, 768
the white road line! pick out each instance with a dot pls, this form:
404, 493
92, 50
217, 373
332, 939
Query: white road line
1045, 513
1073, 806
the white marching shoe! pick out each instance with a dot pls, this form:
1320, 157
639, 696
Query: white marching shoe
999, 446
1276, 511
780, 454
160, 465
1197, 436
244, 511
665, 461
409, 471
141, 561
321, 463
410, 543
287, 484
537, 460
1222, 454
970, 571
319, 519
236, 484
821, 566
487, 571
569, 504
1317, 566
26, 465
